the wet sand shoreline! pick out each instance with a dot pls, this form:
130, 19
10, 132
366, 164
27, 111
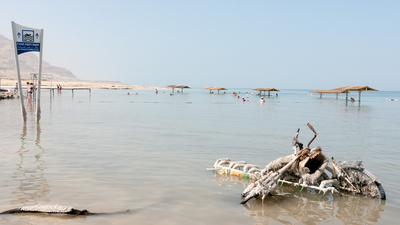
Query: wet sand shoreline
9, 83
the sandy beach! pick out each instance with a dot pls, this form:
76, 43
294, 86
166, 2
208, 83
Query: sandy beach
9, 83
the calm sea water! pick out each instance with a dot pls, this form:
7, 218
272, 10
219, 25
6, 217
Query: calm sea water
110, 151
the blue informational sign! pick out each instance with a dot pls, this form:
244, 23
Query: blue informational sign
27, 39
23, 47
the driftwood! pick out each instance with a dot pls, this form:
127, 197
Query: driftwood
280, 170
291, 165
296, 163
54, 209
306, 168
266, 184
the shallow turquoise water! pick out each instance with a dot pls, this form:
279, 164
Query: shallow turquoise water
110, 151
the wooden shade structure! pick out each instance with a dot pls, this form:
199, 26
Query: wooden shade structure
265, 90
345, 89
355, 88
337, 92
177, 86
215, 89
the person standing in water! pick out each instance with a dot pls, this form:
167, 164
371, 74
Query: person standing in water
29, 91
16, 88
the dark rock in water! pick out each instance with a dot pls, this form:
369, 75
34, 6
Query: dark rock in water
4, 94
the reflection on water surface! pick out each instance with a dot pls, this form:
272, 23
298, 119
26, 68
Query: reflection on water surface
288, 205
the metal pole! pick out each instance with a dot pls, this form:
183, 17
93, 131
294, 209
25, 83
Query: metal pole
33, 81
21, 96
40, 78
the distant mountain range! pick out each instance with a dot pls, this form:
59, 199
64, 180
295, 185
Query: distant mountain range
28, 63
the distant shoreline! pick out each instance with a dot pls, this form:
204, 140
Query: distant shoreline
9, 83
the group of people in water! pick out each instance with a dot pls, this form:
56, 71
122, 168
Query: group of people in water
30, 88
244, 99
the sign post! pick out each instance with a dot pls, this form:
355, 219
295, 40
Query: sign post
28, 40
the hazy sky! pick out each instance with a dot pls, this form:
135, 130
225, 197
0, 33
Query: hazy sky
281, 44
